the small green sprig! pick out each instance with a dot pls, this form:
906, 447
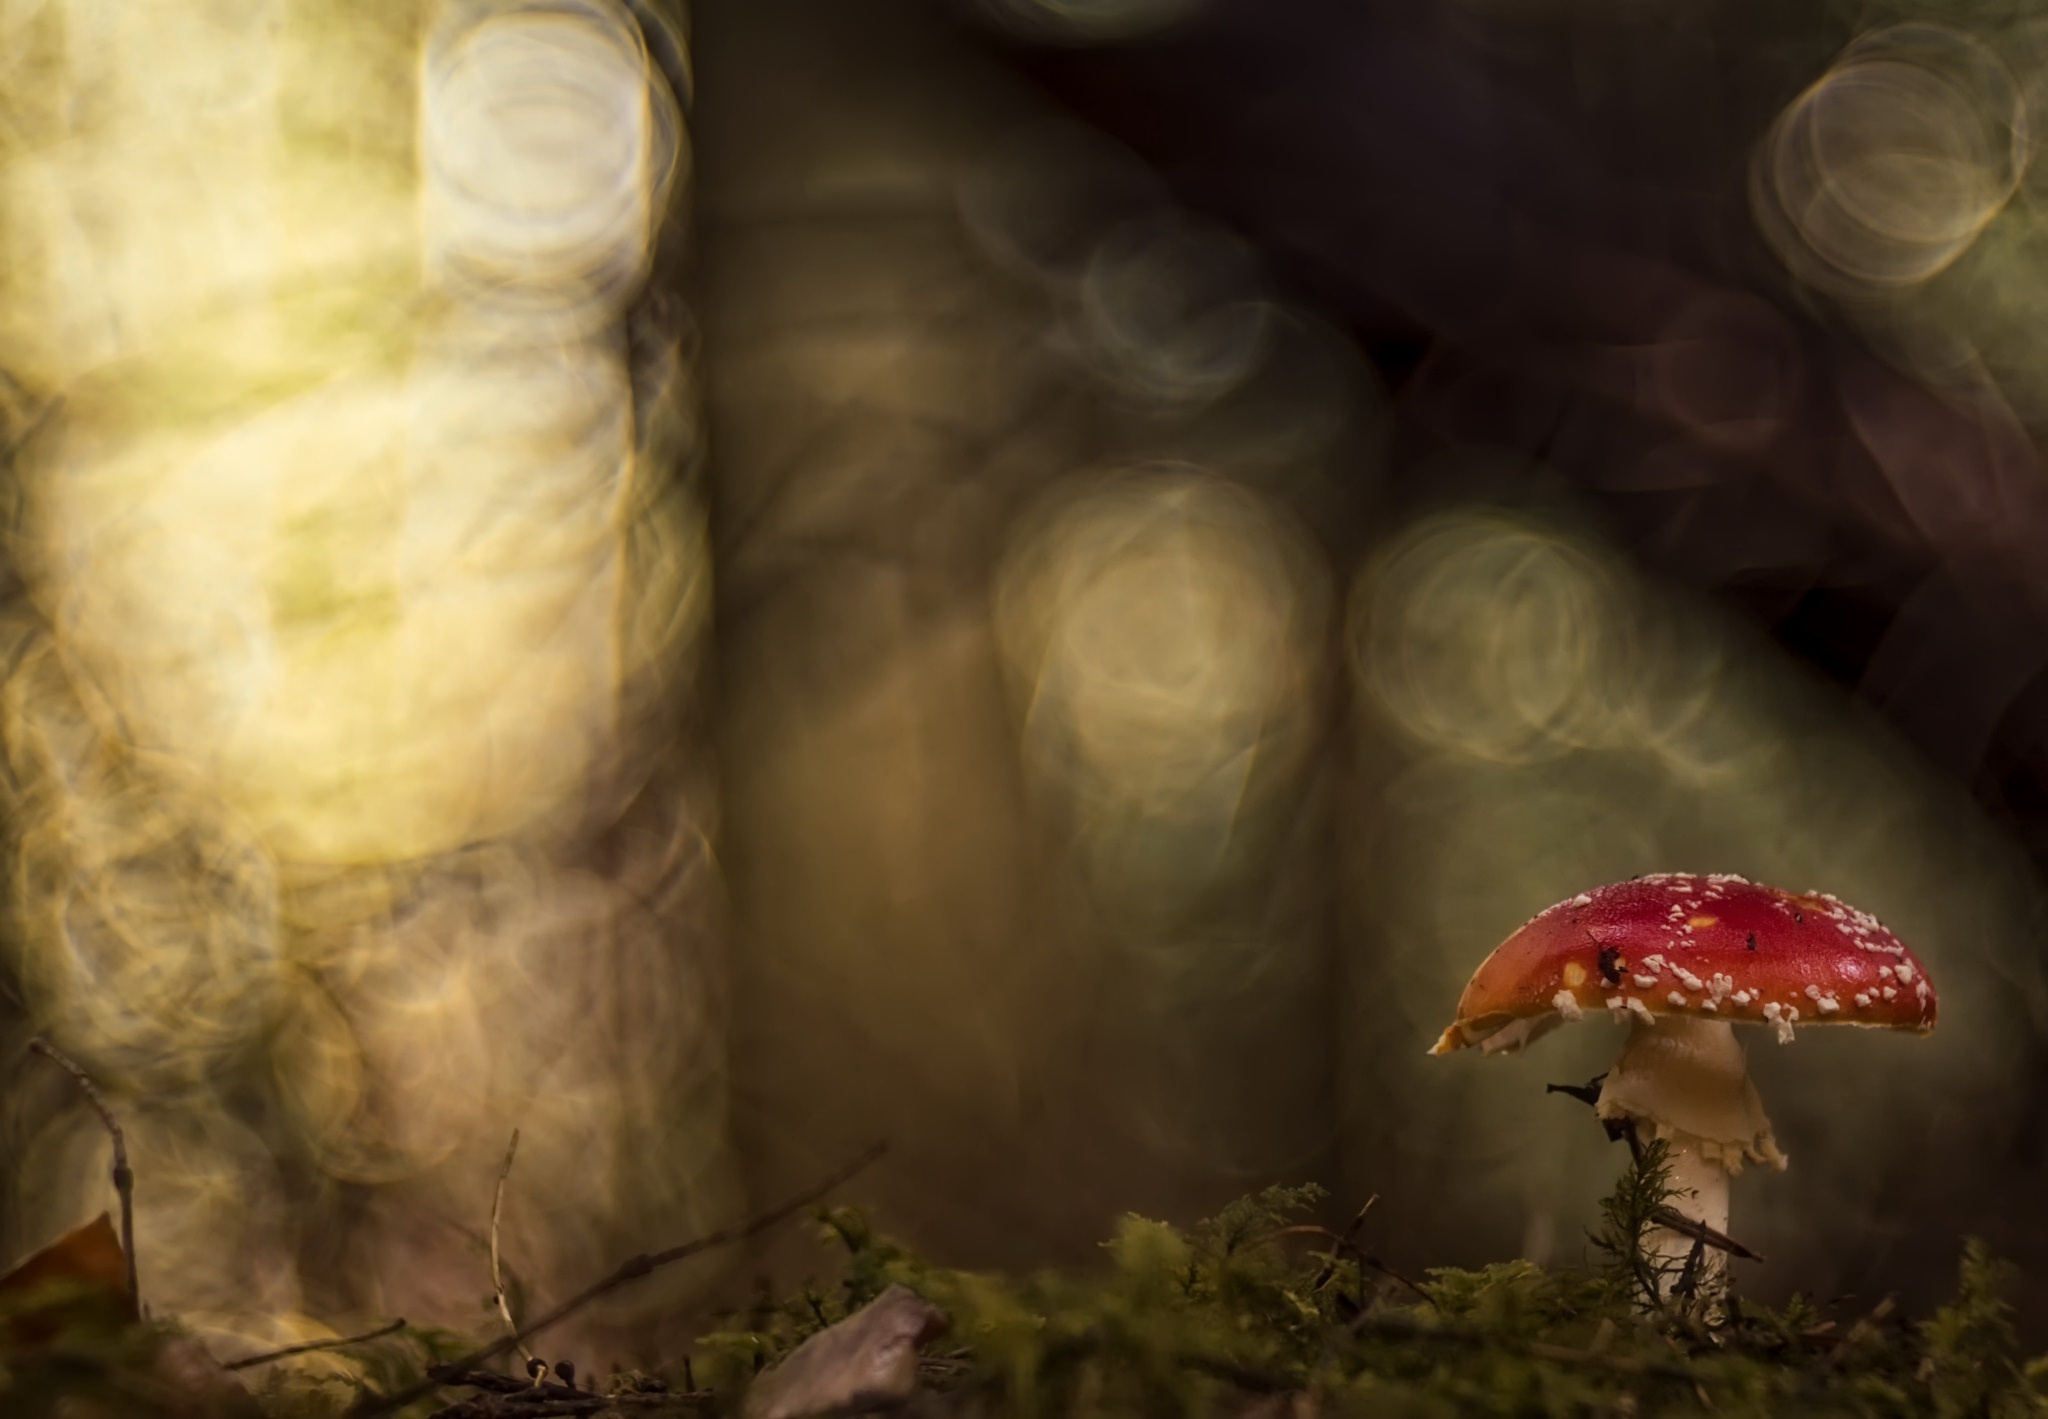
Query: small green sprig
1630, 1266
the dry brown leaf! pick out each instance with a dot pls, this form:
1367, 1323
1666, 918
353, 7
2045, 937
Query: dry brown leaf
88, 1256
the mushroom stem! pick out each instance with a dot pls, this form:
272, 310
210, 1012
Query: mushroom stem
1699, 1187
1685, 1080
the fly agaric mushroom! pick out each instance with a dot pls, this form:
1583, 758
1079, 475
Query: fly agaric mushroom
1682, 959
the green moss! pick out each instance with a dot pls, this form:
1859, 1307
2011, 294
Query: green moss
1254, 1306
1258, 1312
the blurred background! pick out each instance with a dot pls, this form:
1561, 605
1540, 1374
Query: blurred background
1041, 579
1225, 509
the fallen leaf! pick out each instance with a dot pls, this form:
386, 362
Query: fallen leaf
864, 1363
88, 1257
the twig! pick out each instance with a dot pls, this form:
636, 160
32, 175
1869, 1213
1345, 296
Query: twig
1350, 1231
632, 1269
497, 1275
1385, 1270
1358, 1217
335, 1344
1340, 1242
1673, 1220
1687, 1287
124, 1180
491, 1406
1304, 1229
1343, 1241
1587, 1093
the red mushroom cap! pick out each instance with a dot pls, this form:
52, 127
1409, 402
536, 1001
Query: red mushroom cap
1716, 948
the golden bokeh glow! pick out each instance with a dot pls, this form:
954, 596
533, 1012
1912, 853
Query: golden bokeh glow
1163, 628
359, 573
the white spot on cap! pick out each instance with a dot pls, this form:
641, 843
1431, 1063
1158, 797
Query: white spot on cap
1742, 997
1884, 972
1862, 1000
1690, 981
1644, 981
1567, 1005
1677, 998
1772, 1010
1905, 973
1827, 1004
1891, 992
1921, 990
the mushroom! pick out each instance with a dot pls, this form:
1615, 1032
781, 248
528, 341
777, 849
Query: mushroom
1683, 959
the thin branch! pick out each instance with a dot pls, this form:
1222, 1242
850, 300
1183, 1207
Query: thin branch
631, 1269
124, 1180
307, 1347
497, 1275
1672, 1219
1342, 1242
490, 1406
1385, 1270
1346, 1240
1687, 1287
1302, 1229
1587, 1093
